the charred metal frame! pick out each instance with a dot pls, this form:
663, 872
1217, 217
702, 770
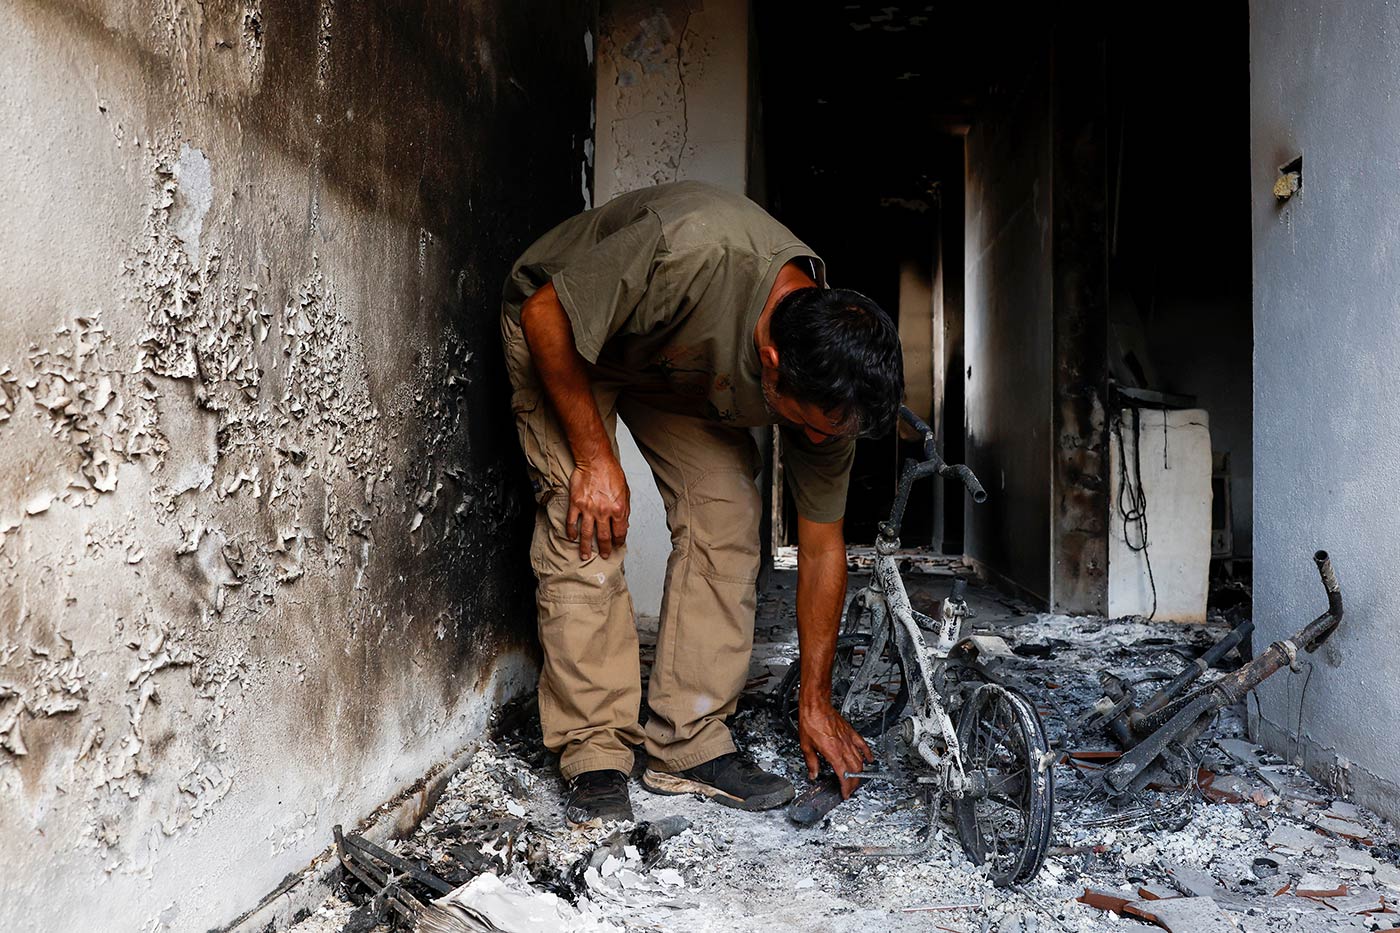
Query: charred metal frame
888, 602
1166, 722
927, 722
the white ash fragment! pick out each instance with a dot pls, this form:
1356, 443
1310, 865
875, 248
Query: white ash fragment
1389, 876
1357, 860
487, 904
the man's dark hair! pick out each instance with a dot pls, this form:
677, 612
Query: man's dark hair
839, 350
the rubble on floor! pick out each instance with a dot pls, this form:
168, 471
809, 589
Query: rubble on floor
1252, 844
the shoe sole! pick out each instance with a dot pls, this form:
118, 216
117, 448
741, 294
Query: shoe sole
595, 823
674, 785
598, 822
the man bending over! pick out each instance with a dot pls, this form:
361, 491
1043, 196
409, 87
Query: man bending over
694, 316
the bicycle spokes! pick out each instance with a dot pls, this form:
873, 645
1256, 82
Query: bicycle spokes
1004, 819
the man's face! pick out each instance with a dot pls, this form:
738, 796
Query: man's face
819, 426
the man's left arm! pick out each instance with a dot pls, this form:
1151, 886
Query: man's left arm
821, 588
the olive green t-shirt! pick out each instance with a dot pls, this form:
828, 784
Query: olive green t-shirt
664, 287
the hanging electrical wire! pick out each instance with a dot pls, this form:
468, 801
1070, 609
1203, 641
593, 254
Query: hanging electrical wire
1132, 498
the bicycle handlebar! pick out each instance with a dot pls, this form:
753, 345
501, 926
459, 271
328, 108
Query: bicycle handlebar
917, 423
958, 471
969, 479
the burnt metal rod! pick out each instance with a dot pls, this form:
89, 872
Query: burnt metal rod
1233, 687
380, 884
1202, 664
1130, 723
1120, 776
372, 875
1122, 711
1189, 716
425, 878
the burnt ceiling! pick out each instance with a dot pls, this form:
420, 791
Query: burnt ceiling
860, 100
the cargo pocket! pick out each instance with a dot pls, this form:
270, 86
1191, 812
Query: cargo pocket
724, 507
540, 439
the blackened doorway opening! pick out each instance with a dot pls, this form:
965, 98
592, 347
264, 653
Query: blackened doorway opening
864, 107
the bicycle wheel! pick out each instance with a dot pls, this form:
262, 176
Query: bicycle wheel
1005, 821
871, 713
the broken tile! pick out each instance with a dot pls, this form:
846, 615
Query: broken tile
1344, 810
1294, 840
1289, 782
1241, 751
1357, 860
1185, 915
1192, 882
1389, 876
1315, 885
1360, 902
1347, 829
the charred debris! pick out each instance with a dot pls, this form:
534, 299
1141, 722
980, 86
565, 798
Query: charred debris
1166, 815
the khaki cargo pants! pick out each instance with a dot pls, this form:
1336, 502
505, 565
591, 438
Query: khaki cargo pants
590, 686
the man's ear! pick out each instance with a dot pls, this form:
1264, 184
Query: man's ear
768, 356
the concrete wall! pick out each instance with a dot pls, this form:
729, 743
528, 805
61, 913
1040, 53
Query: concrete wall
673, 94
1009, 329
674, 103
1327, 338
260, 508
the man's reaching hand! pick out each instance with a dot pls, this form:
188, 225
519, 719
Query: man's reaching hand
824, 732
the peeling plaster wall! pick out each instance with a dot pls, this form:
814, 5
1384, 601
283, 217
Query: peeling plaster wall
673, 103
261, 513
1326, 341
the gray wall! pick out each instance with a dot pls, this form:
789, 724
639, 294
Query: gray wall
1326, 379
260, 503
1009, 329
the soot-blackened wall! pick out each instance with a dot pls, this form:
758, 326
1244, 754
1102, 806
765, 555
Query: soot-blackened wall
260, 504
1009, 329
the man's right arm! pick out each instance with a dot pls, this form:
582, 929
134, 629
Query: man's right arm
598, 496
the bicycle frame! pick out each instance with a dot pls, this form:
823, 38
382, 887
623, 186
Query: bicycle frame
940, 678
891, 612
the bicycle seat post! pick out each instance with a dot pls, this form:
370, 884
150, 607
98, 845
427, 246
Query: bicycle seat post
887, 539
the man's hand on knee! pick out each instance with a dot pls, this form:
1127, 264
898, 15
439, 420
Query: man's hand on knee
599, 506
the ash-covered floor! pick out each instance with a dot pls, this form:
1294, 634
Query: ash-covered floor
1255, 845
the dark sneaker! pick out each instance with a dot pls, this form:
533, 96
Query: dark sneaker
733, 780
597, 797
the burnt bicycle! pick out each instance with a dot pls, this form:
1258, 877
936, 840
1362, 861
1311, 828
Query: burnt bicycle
928, 696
